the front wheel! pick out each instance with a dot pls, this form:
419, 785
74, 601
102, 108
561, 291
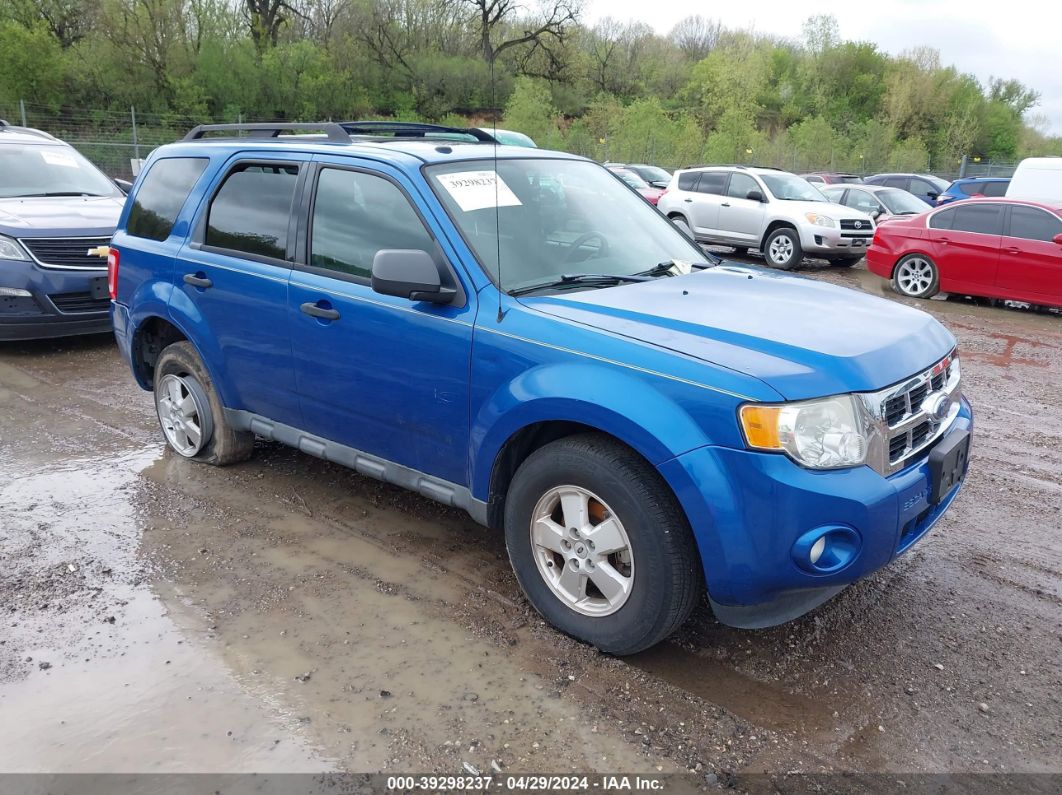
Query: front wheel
190, 411
916, 276
599, 544
782, 248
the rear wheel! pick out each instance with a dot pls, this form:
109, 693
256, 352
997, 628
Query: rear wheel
681, 224
916, 276
190, 411
782, 248
599, 544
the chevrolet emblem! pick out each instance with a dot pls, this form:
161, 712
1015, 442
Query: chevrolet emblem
99, 251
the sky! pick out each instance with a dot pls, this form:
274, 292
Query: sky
1019, 39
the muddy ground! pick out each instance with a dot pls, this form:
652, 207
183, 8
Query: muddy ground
286, 614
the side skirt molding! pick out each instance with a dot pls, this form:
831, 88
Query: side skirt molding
369, 465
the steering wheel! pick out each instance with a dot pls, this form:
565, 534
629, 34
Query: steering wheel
578, 243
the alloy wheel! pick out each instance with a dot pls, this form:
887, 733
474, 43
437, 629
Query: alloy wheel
914, 276
183, 414
582, 551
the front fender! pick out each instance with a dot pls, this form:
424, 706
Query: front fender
618, 403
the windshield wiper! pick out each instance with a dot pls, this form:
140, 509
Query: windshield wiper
589, 279
668, 266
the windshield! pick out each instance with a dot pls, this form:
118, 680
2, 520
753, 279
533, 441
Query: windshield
557, 217
630, 178
35, 170
900, 202
652, 173
790, 187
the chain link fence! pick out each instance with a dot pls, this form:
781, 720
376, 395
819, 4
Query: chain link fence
117, 141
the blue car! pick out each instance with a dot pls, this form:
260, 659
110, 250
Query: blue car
57, 214
925, 186
974, 186
516, 333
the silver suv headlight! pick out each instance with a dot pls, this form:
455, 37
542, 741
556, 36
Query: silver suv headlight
820, 220
827, 433
10, 249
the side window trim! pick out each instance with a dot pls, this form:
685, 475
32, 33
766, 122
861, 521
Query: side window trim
197, 239
301, 257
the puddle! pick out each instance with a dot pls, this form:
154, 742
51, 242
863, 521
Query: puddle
104, 680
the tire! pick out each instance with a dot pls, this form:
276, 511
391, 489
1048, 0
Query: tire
782, 248
681, 224
185, 399
643, 537
916, 276
845, 262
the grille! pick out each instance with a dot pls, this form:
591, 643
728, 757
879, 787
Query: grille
79, 302
849, 225
909, 428
66, 252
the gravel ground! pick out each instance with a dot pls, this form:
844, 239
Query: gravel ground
289, 615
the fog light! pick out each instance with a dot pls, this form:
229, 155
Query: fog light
15, 292
816, 550
826, 549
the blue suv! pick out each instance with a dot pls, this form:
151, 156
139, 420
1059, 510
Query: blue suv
974, 186
517, 333
57, 213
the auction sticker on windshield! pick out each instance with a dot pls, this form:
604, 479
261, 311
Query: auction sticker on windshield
476, 190
59, 159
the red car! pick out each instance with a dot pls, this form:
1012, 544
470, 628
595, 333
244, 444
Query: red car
998, 248
648, 192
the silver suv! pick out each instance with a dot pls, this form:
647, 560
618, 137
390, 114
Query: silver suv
779, 213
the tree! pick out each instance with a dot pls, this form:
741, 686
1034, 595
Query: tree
266, 18
494, 19
696, 36
615, 52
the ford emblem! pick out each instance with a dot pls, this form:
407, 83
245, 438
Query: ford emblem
936, 405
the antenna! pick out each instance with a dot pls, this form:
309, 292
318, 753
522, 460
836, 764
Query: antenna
497, 210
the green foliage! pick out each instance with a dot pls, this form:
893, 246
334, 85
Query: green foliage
616, 91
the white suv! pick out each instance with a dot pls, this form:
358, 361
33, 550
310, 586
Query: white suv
779, 213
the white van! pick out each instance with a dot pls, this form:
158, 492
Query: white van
1037, 178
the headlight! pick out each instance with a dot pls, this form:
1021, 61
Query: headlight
820, 220
10, 249
821, 434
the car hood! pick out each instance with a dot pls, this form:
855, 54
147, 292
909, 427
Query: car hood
62, 216
803, 338
831, 209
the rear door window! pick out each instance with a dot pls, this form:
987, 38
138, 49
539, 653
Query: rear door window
712, 182
161, 195
252, 211
985, 219
995, 188
942, 220
896, 182
355, 215
1033, 224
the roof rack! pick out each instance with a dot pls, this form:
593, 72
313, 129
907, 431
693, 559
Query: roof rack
745, 166
409, 129
9, 127
336, 133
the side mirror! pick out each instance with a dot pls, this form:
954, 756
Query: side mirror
876, 214
124, 185
755, 195
1058, 239
932, 195
411, 274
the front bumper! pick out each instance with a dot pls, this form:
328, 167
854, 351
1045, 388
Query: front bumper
58, 303
749, 509
824, 240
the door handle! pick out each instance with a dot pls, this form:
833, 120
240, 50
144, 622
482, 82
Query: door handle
725, 204
944, 241
688, 201
1013, 250
196, 280
313, 310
